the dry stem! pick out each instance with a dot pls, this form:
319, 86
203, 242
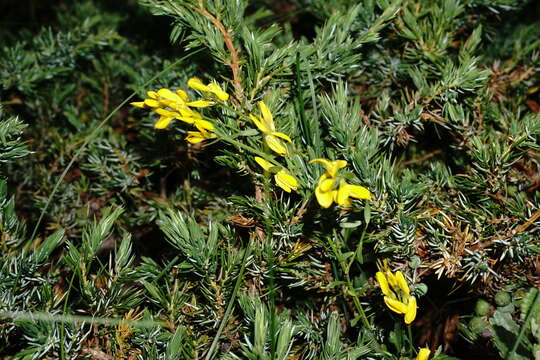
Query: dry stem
234, 64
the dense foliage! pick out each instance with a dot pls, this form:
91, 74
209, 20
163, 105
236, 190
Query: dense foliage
319, 170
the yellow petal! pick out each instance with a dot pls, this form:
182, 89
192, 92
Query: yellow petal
195, 137
342, 197
216, 90
402, 283
169, 95
266, 165
187, 120
325, 183
335, 166
391, 279
139, 104
197, 84
152, 95
332, 167
276, 145
168, 113
281, 135
410, 313
285, 181
163, 122
423, 354
183, 95
200, 103
267, 116
259, 124
324, 198
383, 283
395, 305
187, 112
322, 161
151, 103
203, 125
174, 114
358, 192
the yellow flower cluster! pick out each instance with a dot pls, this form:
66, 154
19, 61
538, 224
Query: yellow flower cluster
331, 188
176, 105
265, 123
397, 294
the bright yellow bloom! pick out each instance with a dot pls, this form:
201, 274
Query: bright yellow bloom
410, 313
203, 125
284, 180
332, 167
397, 294
324, 192
170, 105
395, 305
266, 165
402, 283
213, 88
327, 190
346, 191
163, 122
423, 354
195, 137
383, 283
216, 90
265, 123
200, 103
392, 280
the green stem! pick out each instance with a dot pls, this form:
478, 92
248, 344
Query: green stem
74, 319
356, 300
62, 350
240, 145
272, 298
93, 134
230, 306
411, 347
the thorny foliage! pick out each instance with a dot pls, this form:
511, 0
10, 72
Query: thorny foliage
433, 104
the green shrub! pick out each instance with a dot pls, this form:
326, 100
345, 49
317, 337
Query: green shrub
296, 179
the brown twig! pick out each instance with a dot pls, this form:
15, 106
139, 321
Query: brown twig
233, 64
521, 228
422, 158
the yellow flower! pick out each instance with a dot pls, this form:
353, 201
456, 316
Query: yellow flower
265, 164
423, 354
213, 88
383, 283
324, 191
195, 137
327, 191
395, 305
332, 167
170, 106
284, 180
397, 294
402, 283
203, 125
346, 191
265, 123
410, 313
